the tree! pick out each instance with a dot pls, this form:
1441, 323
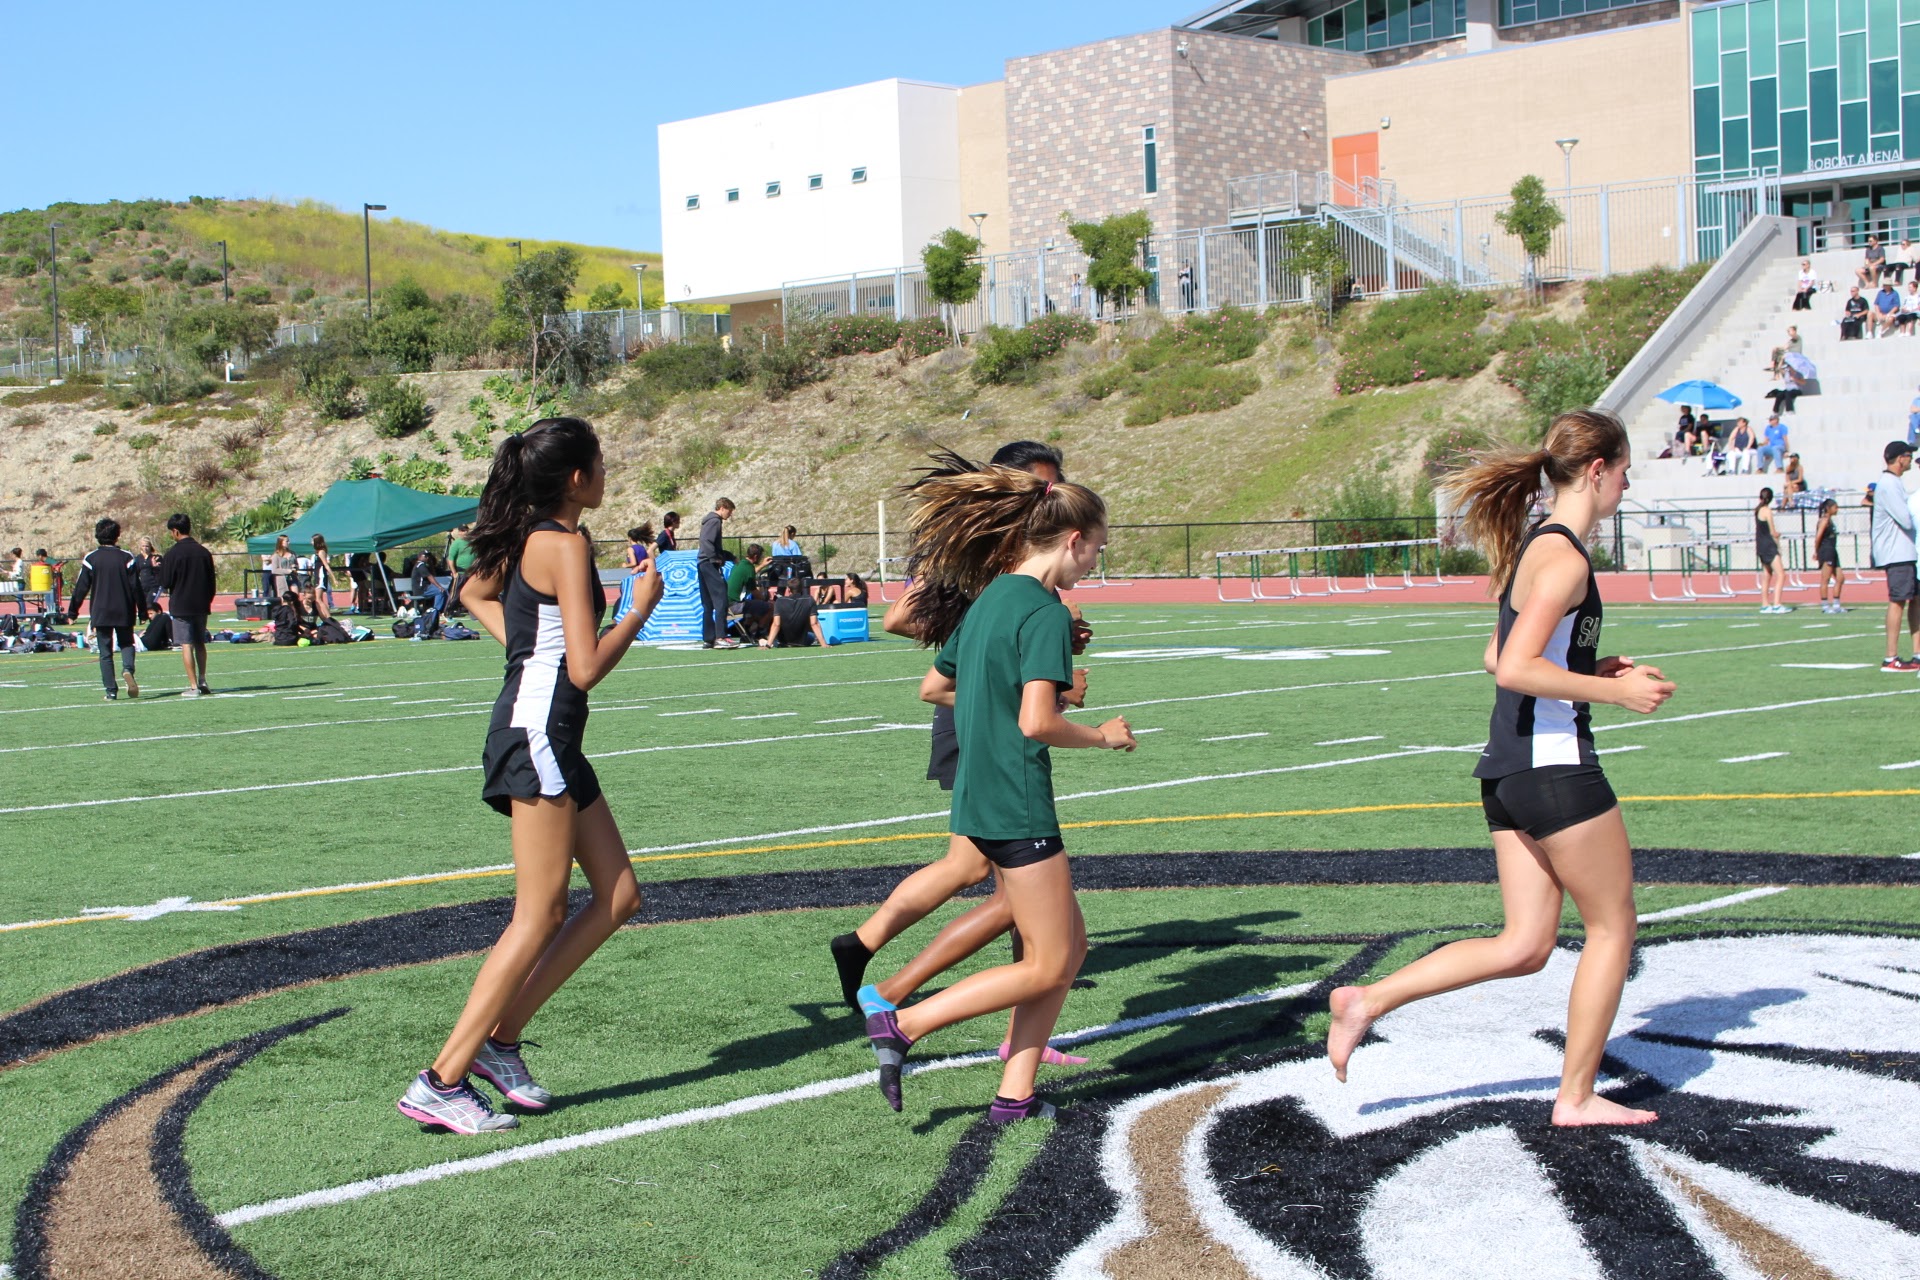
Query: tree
953, 274
1532, 220
1111, 246
539, 287
1313, 250
607, 297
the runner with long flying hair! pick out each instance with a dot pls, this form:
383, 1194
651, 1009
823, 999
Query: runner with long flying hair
1008, 542
1556, 825
535, 588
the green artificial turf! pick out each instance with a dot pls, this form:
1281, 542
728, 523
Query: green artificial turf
672, 1017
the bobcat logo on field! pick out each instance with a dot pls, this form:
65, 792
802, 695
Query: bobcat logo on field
1589, 633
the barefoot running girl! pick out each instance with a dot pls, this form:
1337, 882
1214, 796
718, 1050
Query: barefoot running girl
535, 589
1556, 825
1009, 541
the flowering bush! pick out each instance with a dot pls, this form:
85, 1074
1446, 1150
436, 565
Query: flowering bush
1227, 335
923, 337
855, 335
1012, 355
1416, 339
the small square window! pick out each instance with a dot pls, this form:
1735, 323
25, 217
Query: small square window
773, 189
815, 182
693, 202
733, 195
860, 174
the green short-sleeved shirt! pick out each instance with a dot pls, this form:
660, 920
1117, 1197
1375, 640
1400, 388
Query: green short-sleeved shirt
739, 575
1016, 632
460, 555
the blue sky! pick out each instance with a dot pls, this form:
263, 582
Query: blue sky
525, 119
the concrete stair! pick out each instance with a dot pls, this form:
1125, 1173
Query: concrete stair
1865, 388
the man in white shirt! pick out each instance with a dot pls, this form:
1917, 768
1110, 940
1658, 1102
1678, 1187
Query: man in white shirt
1893, 552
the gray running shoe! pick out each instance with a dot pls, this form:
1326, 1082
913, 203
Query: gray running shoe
501, 1066
189, 693
460, 1108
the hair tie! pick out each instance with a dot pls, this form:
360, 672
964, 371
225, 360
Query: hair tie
1049, 489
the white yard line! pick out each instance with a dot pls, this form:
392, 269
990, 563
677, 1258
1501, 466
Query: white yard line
1712, 904
1234, 737
704, 711
699, 1115
1657, 721
1904, 764
1614, 751
769, 715
1764, 755
1341, 742
846, 719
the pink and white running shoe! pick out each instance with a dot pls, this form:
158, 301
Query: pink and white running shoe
501, 1066
459, 1108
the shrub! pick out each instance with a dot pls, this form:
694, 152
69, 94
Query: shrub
923, 337
856, 335
397, 408
477, 443
201, 274
105, 428
429, 475
782, 363
1414, 339
679, 367
1227, 335
1108, 379
334, 394
660, 484
1015, 355
302, 294
31, 418
1187, 388
360, 468
81, 457
207, 474
1556, 381
23, 267
1621, 313
1365, 508
142, 440
258, 295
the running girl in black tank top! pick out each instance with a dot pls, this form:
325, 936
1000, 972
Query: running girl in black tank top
1556, 826
534, 588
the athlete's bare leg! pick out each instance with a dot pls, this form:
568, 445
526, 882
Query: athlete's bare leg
924, 892
962, 937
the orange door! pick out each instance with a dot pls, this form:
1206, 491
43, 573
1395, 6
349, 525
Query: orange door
1356, 159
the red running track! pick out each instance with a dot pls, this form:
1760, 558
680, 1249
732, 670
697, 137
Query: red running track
1616, 588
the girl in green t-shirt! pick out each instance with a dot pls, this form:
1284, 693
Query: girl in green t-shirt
1010, 541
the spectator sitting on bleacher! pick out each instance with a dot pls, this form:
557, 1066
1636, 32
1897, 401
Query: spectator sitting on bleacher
848, 593
1886, 309
1805, 286
1898, 262
788, 544
1787, 393
1683, 436
1873, 264
1705, 432
1909, 306
1853, 316
1796, 480
1778, 359
796, 619
742, 574
1739, 450
1773, 452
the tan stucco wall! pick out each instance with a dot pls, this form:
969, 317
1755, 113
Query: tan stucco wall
1472, 125
983, 161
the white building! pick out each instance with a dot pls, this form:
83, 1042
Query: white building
855, 179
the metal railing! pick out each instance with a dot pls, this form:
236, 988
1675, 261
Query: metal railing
628, 332
1391, 247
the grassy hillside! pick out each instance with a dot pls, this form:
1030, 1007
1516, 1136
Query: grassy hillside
300, 262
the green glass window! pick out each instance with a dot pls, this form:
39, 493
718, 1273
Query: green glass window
1883, 27
1853, 130
1823, 38
1316, 31
1793, 75
1910, 59
1733, 84
1377, 24
1853, 68
1910, 121
1793, 142
1793, 19
1883, 92
1853, 15
1398, 30
1706, 47
1823, 94
1706, 122
1763, 101
1910, 10
1733, 151
1762, 48
1733, 27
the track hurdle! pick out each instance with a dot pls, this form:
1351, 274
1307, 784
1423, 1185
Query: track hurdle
1324, 568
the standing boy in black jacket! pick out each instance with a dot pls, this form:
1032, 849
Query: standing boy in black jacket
713, 578
112, 577
186, 571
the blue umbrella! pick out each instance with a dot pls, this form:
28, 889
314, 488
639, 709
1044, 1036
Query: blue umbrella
1698, 391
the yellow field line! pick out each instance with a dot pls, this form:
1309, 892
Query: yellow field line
853, 841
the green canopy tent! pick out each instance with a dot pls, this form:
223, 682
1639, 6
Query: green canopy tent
371, 516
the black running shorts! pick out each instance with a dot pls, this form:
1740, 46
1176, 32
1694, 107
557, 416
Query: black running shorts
1541, 802
944, 761
1019, 853
524, 764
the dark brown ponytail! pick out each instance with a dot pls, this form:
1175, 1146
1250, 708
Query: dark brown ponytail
526, 485
1496, 491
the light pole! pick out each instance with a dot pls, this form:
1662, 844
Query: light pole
639, 286
515, 246
366, 238
1566, 146
226, 294
53, 265
979, 220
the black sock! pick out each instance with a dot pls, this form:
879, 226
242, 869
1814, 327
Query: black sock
433, 1078
850, 957
1012, 1102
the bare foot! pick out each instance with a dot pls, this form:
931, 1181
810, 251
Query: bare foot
1597, 1110
1348, 1028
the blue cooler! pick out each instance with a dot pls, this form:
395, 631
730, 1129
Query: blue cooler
840, 626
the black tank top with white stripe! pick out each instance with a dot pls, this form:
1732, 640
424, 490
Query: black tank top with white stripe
1528, 732
538, 694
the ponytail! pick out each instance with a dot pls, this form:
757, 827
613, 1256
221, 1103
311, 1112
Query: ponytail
1498, 489
526, 484
974, 523
1765, 501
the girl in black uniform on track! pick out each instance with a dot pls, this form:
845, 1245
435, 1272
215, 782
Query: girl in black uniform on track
1766, 550
1826, 554
1556, 825
534, 587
